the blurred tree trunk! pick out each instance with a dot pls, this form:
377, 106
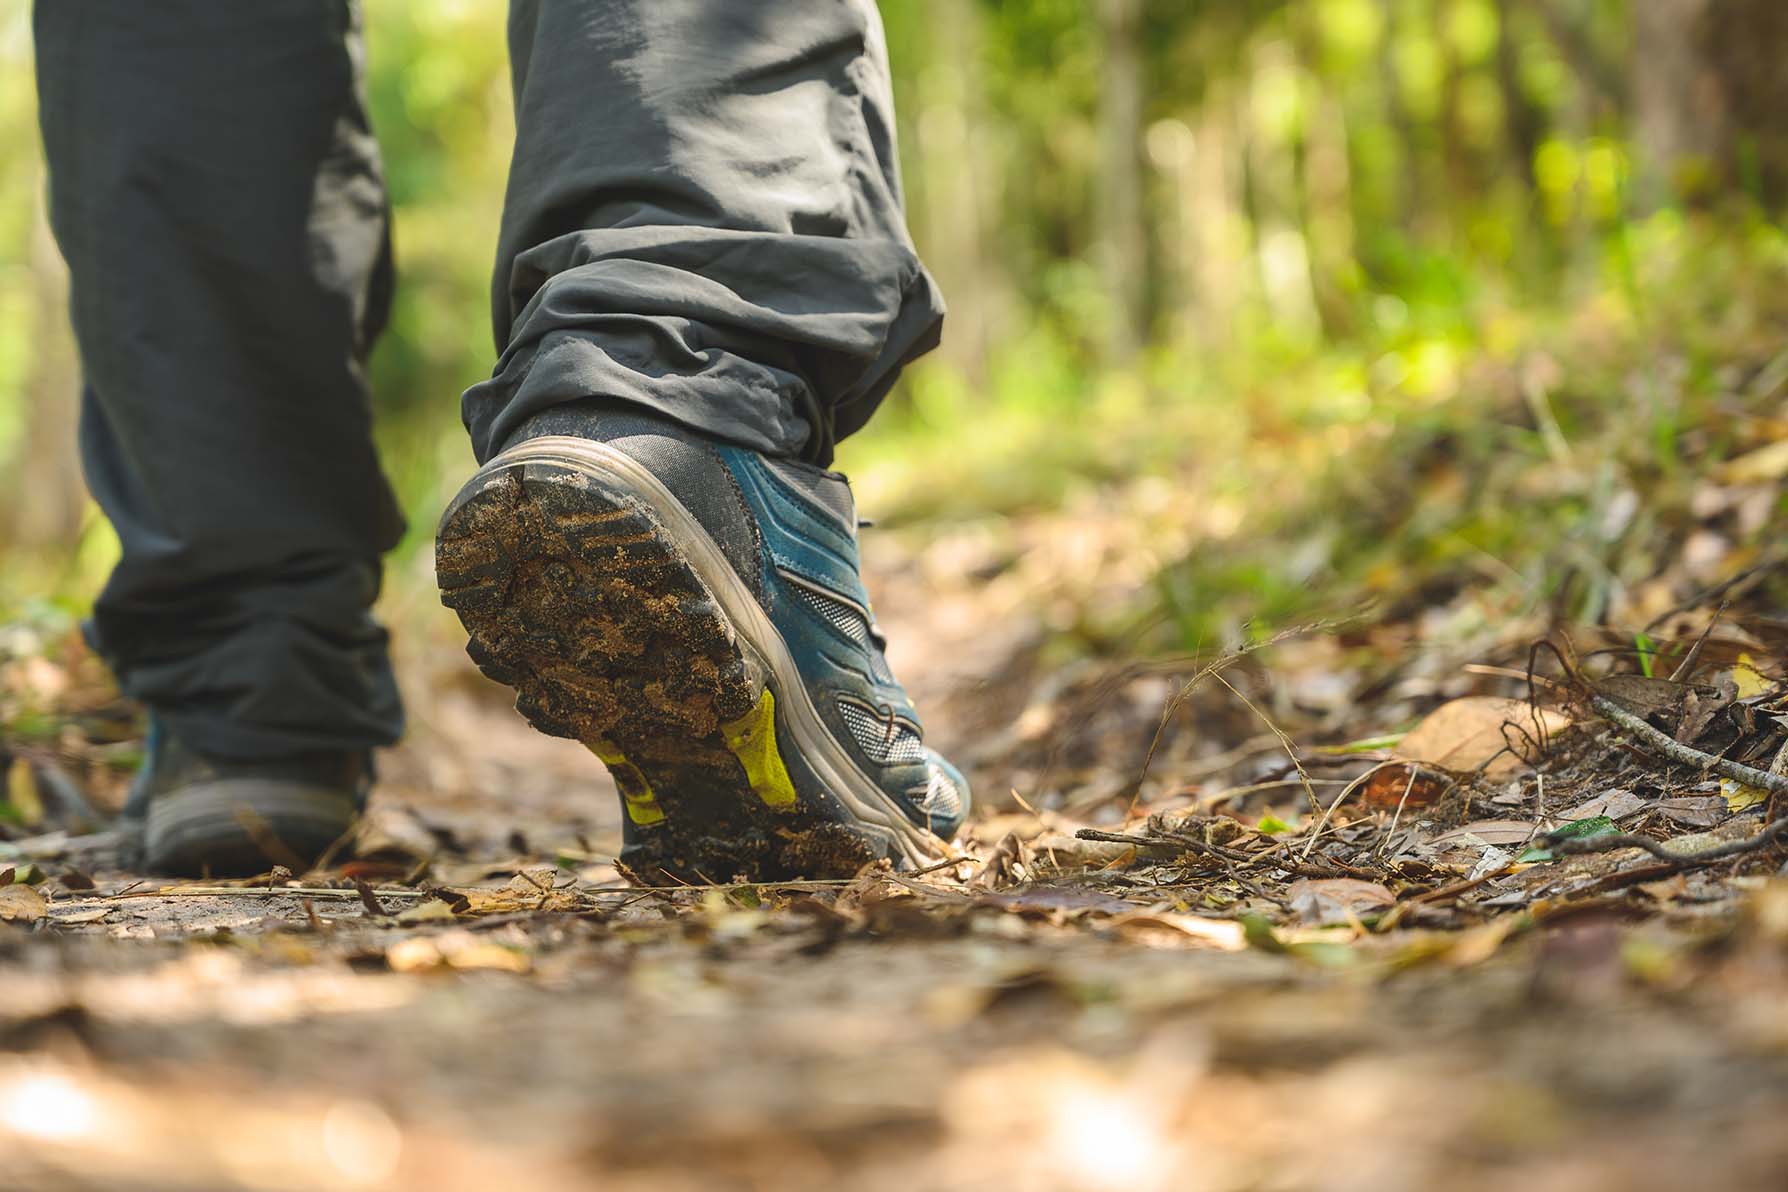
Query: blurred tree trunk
47, 496
1325, 192
1461, 174
954, 197
1679, 111
1412, 201
1746, 43
1216, 214
1122, 235
1601, 83
1521, 122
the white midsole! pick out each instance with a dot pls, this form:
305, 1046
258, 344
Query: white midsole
848, 784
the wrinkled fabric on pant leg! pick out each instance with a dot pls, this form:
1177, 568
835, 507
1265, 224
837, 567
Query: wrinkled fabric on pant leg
216, 190
704, 219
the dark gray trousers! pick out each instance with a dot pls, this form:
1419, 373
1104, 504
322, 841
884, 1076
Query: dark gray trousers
703, 218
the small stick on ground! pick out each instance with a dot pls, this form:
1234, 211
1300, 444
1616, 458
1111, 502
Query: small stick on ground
1687, 755
1285, 741
1602, 844
367, 899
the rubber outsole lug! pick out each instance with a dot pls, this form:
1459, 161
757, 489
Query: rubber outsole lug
574, 593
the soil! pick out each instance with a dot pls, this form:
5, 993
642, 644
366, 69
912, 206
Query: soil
1206, 935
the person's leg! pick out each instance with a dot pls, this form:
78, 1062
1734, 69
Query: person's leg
217, 193
704, 219
704, 280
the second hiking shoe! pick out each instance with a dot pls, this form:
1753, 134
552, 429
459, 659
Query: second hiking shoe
692, 612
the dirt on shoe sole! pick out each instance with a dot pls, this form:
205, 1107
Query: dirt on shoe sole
575, 594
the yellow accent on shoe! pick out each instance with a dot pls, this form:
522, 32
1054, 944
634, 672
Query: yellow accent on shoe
752, 738
636, 792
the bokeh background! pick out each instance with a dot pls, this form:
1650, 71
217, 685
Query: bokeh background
1438, 325
1387, 296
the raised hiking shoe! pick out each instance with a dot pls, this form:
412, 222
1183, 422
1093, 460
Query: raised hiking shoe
211, 816
692, 612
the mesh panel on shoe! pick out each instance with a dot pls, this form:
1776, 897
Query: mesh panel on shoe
878, 667
839, 615
883, 741
849, 622
942, 799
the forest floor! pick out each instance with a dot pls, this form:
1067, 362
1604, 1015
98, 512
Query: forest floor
1363, 907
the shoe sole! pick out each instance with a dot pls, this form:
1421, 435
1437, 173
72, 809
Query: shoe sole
242, 827
583, 583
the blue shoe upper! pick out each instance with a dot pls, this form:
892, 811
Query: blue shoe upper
790, 531
811, 585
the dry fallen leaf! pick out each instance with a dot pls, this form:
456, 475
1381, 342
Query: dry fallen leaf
1406, 786
19, 903
1326, 901
1167, 928
1748, 680
1500, 831
1762, 466
426, 911
1481, 731
88, 916
457, 949
1615, 804
1739, 795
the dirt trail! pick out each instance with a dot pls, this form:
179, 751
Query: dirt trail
1203, 1006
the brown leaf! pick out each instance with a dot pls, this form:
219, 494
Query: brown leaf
1498, 831
1695, 811
1763, 466
1048, 899
88, 916
1169, 929
1405, 785
1615, 804
21, 904
1480, 731
456, 949
1326, 901
1643, 696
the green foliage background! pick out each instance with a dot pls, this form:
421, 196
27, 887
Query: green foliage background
1383, 258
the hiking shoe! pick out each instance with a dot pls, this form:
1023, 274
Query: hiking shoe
219, 817
692, 612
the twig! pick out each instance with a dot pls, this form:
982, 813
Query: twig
1509, 672
944, 864
1347, 790
1179, 698
1390, 833
367, 899
1285, 741
1251, 788
1728, 588
260, 892
1687, 666
1189, 844
1572, 845
1687, 755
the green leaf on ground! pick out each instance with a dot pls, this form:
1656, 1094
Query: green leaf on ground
1595, 825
